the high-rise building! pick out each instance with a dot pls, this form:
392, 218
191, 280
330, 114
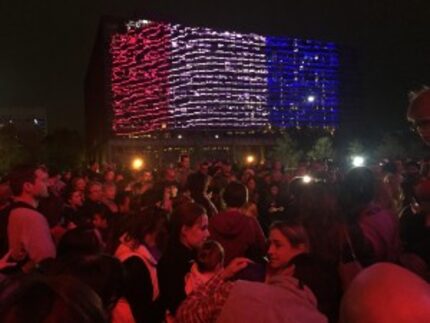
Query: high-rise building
152, 79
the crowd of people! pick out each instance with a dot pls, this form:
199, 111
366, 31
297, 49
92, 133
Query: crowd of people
207, 244
216, 243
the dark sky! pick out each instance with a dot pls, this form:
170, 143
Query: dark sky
45, 45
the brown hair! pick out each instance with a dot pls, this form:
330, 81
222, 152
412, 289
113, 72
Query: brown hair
209, 256
185, 214
293, 231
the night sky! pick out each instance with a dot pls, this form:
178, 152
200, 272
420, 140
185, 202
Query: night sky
46, 45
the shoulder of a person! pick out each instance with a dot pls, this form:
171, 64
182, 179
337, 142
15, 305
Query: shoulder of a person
27, 212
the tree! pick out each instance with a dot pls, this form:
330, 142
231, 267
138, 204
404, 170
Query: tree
322, 149
286, 151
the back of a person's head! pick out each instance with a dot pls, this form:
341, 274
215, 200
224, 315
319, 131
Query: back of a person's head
36, 298
103, 273
78, 242
235, 195
210, 256
19, 176
386, 293
148, 221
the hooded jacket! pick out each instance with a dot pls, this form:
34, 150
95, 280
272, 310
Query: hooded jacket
240, 235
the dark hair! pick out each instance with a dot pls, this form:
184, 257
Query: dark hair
68, 193
21, 175
209, 256
90, 211
185, 214
79, 241
92, 184
293, 231
36, 298
147, 221
103, 273
235, 194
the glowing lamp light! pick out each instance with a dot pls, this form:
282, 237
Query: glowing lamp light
307, 179
137, 163
311, 98
358, 161
250, 159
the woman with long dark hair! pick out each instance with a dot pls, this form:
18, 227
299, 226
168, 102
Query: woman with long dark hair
188, 231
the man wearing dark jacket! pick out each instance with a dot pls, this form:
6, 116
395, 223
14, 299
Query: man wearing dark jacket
240, 235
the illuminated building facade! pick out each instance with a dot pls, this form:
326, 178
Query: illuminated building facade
169, 76
156, 82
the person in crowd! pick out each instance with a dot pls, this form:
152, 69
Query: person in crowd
100, 222
109, 176
55, 183
374, 231
414, 223
386, 293
318, 210
93, 172
188, 231
167, 197
411, 179
169, 177
93, 202
283, 297
109, 194
419, 113
51, 206
36, 298
209, 261
79, 184
393, 179
240, 235
94, 193
273, 206
204, 168
251, 185
139, 250
277, 173
123, 200
66, 177
183, 170
78, 242
198, 185
5, 203
29, 238
72, 211
221, 178
103, 273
